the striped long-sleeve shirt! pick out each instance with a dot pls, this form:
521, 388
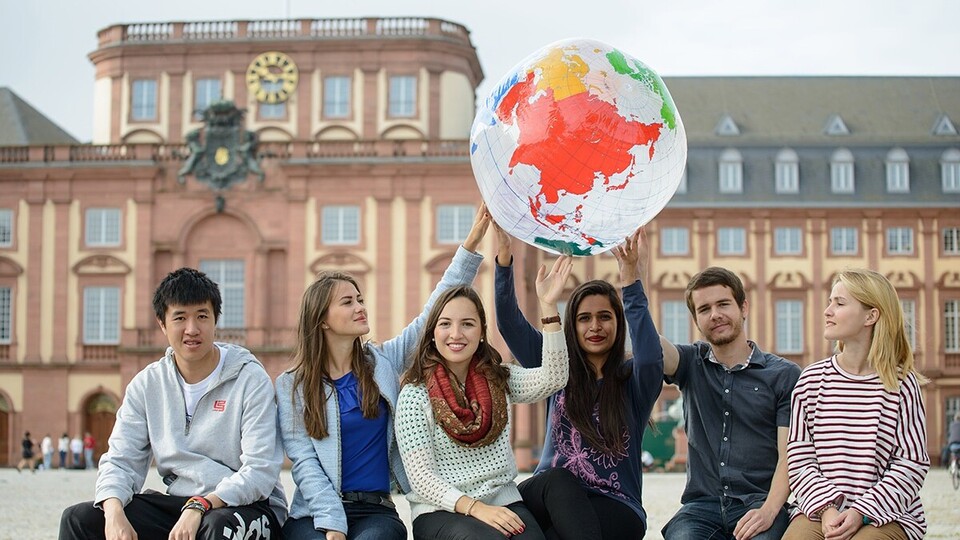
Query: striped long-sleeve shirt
854, 443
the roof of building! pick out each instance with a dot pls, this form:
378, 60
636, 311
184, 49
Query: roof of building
803, 110
21, 124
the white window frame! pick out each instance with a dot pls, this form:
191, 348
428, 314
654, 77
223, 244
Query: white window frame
898, 171
899, 241
788, 241
951, 240
789, 326
336, 96
675, 241
6, 315
454, 222
205, 92
951, 326
842, 178
909, 308
950, 171
675, 321
230, 277
847, 244
6, 227
731, 171
731, 241
787, 172
101, 315
402, 96
143, 100
341, 224
104, 227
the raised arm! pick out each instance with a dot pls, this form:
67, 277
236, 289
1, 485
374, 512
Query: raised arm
524, 341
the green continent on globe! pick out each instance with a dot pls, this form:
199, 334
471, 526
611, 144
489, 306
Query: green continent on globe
651, 79
567, 248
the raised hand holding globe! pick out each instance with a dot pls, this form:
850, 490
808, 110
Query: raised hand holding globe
576, 147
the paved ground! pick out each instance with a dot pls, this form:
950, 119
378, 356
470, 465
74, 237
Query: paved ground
30, 504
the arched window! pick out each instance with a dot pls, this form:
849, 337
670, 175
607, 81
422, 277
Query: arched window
950, 170
841, 171
898, 171
787, 171
731, 171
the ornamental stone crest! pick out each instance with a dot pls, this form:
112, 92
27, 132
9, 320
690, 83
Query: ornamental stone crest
222, 153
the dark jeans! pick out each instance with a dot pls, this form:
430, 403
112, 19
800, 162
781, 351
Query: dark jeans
153, 515
715, 518
567, 511
442, 525
365, 521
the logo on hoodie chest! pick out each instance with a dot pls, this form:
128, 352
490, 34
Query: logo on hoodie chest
220, 405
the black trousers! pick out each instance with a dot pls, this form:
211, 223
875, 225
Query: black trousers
153, 515
442, 525
567, 511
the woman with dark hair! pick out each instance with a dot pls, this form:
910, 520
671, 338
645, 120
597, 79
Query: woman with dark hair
589, 482
336, 406
453, 418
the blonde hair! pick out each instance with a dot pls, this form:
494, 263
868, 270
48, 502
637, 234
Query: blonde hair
890, 353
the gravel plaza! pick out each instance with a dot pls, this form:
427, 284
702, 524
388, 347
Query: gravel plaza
30, 504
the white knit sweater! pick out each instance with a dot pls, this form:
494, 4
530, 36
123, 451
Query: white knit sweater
441, 471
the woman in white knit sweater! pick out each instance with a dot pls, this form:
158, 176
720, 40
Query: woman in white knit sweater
453, 417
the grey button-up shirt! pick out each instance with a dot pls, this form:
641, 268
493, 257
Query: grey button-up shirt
731, 419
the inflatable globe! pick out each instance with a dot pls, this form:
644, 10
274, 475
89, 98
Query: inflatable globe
576, 147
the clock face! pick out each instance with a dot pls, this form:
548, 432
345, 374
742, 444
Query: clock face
272, 77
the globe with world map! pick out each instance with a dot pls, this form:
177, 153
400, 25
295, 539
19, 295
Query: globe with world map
576, 147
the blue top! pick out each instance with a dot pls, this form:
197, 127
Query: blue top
620, 476
731, 419
364, 440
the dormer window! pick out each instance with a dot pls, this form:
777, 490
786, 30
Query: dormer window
835, 126
727, 127
731, 171
898, 171
841, 171
787, 172
950, 170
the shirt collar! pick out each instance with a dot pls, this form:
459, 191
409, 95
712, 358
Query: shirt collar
754, 351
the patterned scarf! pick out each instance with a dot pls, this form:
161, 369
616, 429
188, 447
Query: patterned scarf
473, 417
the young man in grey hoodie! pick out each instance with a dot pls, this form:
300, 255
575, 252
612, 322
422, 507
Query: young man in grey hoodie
205, 414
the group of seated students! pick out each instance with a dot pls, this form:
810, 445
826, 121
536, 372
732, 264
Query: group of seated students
428, 412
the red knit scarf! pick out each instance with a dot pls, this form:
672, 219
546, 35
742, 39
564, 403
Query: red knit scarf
472, 418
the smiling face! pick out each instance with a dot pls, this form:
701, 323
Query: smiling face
347, 315
190, 331
845, 317
719, 318
596, 326
457, 334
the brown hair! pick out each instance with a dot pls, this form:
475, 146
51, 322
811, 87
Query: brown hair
709, 277
311, 358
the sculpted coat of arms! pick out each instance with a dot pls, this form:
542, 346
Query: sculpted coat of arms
222, 153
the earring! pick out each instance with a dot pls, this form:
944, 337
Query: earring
481, 340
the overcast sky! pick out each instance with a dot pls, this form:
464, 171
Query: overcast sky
44, 43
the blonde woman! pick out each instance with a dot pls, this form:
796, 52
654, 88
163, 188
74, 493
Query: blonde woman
857, 450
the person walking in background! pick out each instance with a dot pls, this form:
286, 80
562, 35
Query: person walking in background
46, 448
63, 446
336, 406
953, 438
857, 450
76, 449
27, 457
88, 445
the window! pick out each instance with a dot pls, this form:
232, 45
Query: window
731, 171
336, 97
787, 172
6, 314
228, 275
103, 227
341, 224
272, 111
900, 241
101, 315
950, 171
206, 92
951, 241
403, 96
682, 186
843, 240
789, 326
6, 227
898, 171
453, 222
731, 241
909, 308
675, 321
951, 330
675, 241
787, 241
841, 171
143, 105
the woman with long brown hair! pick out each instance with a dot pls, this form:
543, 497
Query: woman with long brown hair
453, 418
336, 407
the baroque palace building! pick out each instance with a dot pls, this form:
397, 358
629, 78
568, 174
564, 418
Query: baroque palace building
363, 128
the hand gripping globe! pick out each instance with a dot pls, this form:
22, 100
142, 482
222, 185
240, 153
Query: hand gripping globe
578, 146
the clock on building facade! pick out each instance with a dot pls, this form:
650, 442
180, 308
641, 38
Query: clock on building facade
272, 77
